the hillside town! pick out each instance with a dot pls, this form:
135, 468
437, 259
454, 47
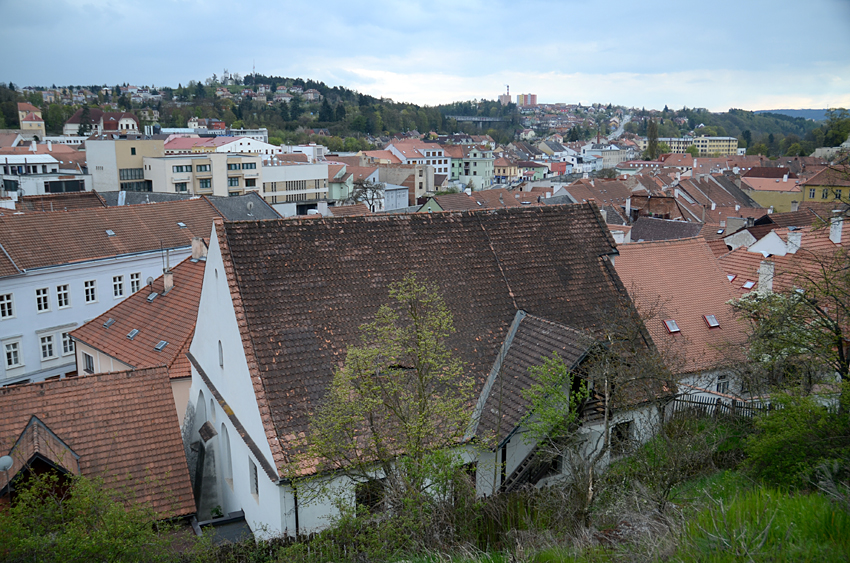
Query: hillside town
178, 299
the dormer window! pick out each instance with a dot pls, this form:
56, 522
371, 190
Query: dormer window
711, 321
672, 326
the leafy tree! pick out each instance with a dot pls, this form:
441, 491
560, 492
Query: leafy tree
663, 148
652, 140
692, 150
400, 401
68, 519
295, 108
326, 113
748, 137
340, 112
85, 122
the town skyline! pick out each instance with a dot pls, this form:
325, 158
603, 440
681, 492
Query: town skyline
647, 56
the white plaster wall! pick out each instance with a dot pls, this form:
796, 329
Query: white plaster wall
102, 164
769, 244
103, 363
29, 325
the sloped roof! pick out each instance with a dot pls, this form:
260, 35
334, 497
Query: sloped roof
767, 172
246, 207
495, 198
123, 426
169, 317
456, 202
682, 280
550, 261
349, 210
837, 176
801, 218
533, 340
60, 202
650, 229
27, 107
770, 184
37, 240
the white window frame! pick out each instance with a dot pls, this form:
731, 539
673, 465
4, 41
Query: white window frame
67, 344
135, 282
88, 363
47, 343
117, 287
90, 285
7, 306
42, 299
63, 293
16, 342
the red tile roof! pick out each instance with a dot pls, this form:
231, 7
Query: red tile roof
349, 210
36, 240
681, 280
60, 202
838, 176
27, 107
170, 317
122, 425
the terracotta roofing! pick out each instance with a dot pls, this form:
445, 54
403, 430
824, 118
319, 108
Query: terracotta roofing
456, 202
95, 114
27, 107
349, 210
550, 261
32, 117
531, 339
743, 266
360, 172
39, 240
718, 247
767, 172
650, 228
838, 176
605, 191
170, 317
800, 218
682, 281
122, 425
383, 155
335, 170
60, 202
712, 231
770, 185
495, 198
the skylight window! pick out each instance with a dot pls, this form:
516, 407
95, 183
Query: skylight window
152, 296
672, 326
181, 224
110, 233
109, 322
711, 321
749, 284
162, 344
731, 277
719, 231
132, 334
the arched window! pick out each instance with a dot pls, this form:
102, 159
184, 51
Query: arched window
220, 354
212, 410
201, 410
226, 457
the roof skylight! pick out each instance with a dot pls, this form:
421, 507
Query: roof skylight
132, 334
152, 296
749, 284
672, 326
109, 322
731, 277
711, 321
162, 344
181, 224
110, 233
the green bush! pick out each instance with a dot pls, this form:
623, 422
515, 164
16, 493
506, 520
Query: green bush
790, 442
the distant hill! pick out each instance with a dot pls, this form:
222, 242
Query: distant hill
813, 114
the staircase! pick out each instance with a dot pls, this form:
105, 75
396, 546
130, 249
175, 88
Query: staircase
534, 467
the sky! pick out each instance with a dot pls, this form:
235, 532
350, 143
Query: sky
747, 54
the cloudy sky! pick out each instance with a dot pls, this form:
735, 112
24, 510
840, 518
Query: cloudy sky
750, 54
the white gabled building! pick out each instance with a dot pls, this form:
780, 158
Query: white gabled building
60, 269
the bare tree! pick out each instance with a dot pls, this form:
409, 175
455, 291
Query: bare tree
369, 192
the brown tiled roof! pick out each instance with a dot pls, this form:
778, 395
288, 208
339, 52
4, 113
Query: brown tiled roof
47, 239
770, 184
650, 228
505, 406
456, 202
169, 317
496, 198
60, 202
348, 210
712, 231
768, 172
27, 107
837, 176
123, 426
802, 218
549, 261
683, 280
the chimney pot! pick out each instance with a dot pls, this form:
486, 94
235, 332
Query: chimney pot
199, 248
836, 225
168, 281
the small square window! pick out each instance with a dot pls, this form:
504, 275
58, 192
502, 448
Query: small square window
133, 151
13, 354
253, 476
88, 363
722, 384
711, 321
67, 344
671, 325
731, 277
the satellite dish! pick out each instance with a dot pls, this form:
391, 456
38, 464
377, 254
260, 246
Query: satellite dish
150, 282
6, 463
250, 206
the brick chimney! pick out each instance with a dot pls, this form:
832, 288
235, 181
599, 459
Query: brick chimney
766, 271
836, 225
794, 240
199, 249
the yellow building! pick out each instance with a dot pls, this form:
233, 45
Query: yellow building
778, 193
830, 184
31, 122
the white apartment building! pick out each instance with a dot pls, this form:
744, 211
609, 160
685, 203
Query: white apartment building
292, 182
218, 174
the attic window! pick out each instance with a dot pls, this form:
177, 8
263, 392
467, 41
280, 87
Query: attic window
110, 233
749, 284
109, 322
719, 231
132, 334
162, 344
181, 224
672, 326
731, 277
711, 321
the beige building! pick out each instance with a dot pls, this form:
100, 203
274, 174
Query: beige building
291, 182
118, 164
218, 174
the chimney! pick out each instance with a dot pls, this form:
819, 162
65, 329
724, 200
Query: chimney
49, 146
751, 221
765, 285
604, 215
795, 206
794, 240
836, 225
785, 177
629, 208
713, 206
199, 249
168, 281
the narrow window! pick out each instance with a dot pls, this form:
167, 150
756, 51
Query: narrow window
254, 478
42, 299
117, 286
91, 291
220, 354
6, 308
67, 343
135, 282
13, 354
88, 363
63, 296
47, 347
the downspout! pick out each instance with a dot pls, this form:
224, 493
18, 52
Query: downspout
295, 499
